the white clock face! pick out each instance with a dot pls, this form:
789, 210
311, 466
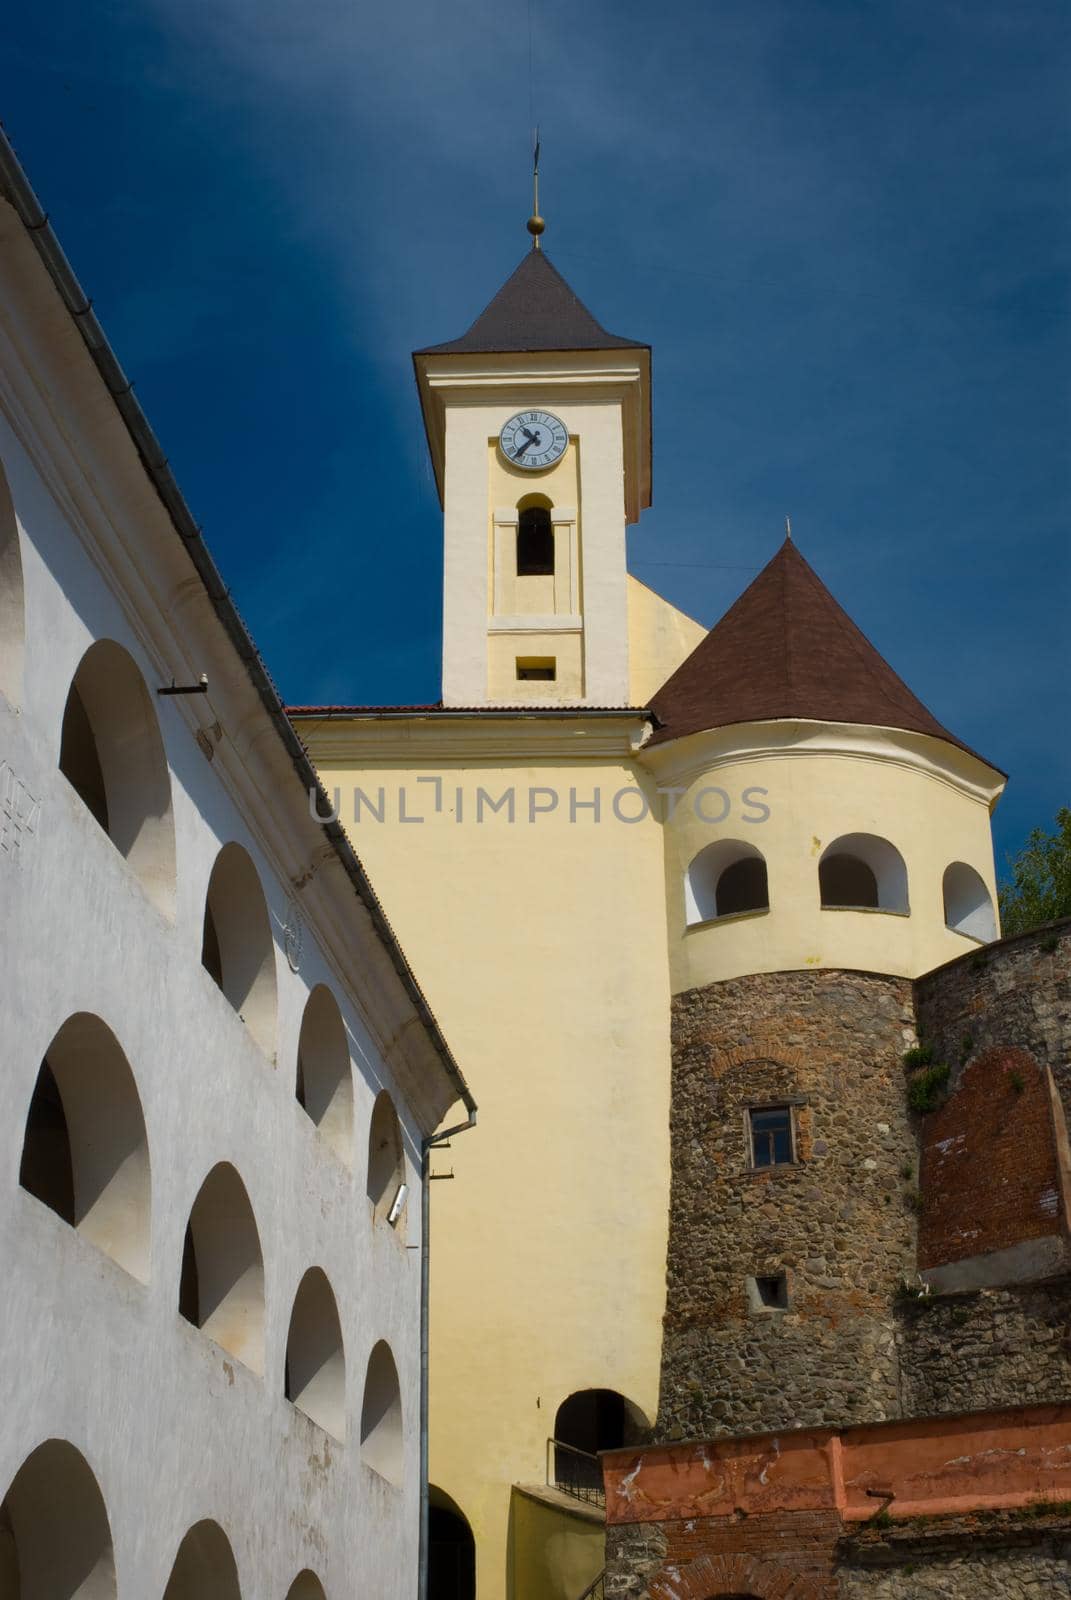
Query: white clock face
533, 439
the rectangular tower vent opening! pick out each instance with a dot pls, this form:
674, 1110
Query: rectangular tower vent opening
768, 1293
534, 669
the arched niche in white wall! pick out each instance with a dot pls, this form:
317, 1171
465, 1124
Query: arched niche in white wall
55, 1542
221, 1288
862, 872
204, 1567
728, 876
12, 599
315, 1358
386, 1162
381, 1416
112, 755
324, 1080
968, 907
85, 1153
237, 948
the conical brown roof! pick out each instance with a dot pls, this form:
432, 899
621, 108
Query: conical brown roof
535, 309
787, 650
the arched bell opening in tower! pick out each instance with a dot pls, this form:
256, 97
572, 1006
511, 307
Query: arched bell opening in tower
535, 538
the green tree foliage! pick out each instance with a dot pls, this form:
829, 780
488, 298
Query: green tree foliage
1038, 888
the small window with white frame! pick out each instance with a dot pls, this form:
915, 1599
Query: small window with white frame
771, 1136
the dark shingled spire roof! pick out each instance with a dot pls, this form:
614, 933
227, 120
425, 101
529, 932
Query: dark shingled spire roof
787, 650
535, 309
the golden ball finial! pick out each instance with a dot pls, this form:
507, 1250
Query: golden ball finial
535, 225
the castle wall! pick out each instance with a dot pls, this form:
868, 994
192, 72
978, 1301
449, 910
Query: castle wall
994, 1177
838, 1222
968, 1574
1016, 992
962, 1505
177, 1421
984, 1179
995, 1347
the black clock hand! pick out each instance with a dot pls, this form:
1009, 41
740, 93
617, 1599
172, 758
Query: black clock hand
517, 454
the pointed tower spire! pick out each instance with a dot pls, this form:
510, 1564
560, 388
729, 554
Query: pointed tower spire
787, 650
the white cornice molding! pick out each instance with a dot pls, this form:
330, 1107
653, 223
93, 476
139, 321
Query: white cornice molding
535, 624
682, 761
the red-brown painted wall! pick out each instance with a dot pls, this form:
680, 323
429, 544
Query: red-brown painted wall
933, 1466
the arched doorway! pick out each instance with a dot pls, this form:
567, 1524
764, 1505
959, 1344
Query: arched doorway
451, 1550
589, 1421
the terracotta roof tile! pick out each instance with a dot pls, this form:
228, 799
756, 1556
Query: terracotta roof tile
786, 649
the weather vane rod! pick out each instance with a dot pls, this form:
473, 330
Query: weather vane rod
788, 527
535, 221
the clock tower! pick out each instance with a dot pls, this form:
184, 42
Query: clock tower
539, 426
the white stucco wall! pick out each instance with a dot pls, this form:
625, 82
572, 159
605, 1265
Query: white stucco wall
174, 1428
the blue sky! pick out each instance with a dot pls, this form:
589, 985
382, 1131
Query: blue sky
843, 227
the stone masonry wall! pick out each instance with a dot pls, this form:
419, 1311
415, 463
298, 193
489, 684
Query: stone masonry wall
983, 1351
1016, 992
1041, 1573
808, 1558
841, 1223
838, 1222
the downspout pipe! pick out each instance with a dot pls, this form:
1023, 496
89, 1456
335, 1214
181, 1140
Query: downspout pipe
426, 1147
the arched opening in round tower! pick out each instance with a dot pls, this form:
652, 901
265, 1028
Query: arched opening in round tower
726, 879
862, 872
968, 907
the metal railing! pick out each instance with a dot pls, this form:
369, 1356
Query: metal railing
596, 1589
575, 1472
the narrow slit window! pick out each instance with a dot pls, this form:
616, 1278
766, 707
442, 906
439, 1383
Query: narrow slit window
535, 669
772, 1144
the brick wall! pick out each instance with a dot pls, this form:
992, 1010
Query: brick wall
992, 1175
759, 1555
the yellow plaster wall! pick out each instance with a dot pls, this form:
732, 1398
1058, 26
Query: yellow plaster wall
542, 949
554, 1552
659, 638
510, 486
929, 801
503, 649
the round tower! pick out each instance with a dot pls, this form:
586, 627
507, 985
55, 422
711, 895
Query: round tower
826, 842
